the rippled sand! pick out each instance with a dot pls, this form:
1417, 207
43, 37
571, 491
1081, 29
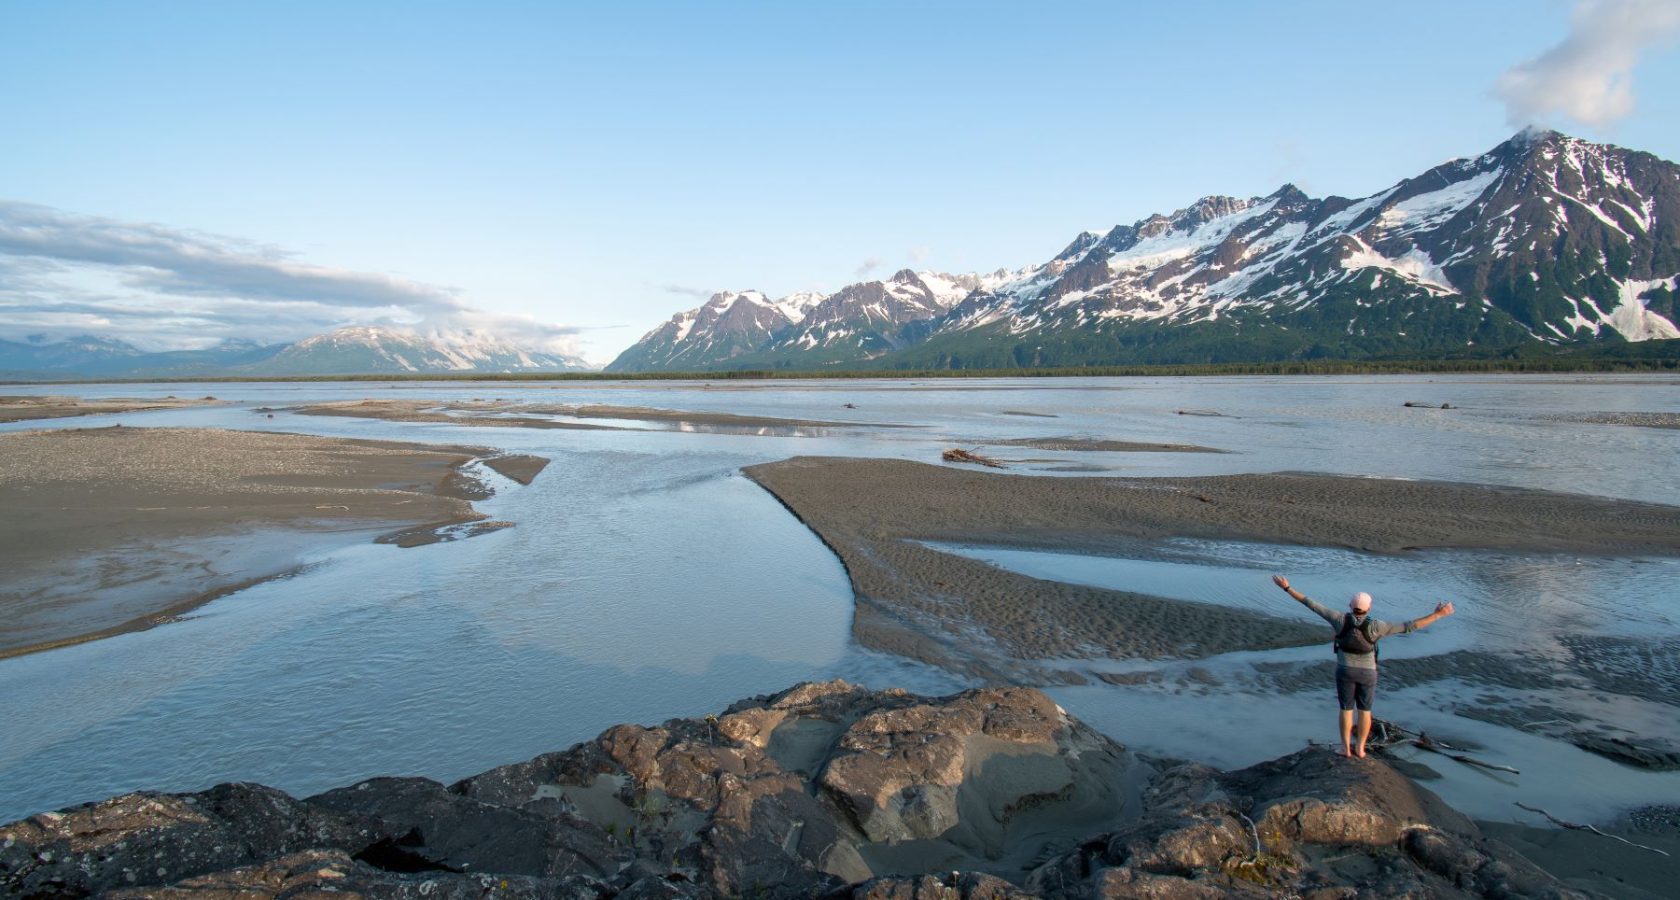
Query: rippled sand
112, 529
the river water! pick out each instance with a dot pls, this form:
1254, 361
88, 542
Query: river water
646, 579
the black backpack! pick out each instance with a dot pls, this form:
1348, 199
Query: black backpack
1355, 638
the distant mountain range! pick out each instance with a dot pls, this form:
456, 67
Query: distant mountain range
1543, 240
745, 329
361, 350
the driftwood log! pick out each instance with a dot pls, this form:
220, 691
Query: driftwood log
1385, 736
1577, 826
968, 456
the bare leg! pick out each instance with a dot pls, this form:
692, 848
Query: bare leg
1347, 732
1364, 732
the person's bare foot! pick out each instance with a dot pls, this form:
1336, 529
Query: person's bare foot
1359, 752
1346, 751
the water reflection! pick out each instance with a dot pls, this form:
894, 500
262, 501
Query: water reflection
646, 579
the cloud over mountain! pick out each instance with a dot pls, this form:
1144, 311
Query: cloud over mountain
65, 273
1589, 76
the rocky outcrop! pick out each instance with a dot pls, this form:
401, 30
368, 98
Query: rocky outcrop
1310, 824
824, 790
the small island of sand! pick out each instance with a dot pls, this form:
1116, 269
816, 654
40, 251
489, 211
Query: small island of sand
879, 515
116, 529
30, 408
506, 414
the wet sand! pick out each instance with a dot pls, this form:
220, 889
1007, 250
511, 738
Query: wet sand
495, 413
973, 618
116, 529
520, 467
30, 408
1596, 863
714, 419
1095, 445
433, 412
1633, 419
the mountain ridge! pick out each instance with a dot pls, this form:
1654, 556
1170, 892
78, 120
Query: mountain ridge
1543, 240
738, 327
353, 350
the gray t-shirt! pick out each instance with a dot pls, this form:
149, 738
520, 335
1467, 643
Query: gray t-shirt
1379, 630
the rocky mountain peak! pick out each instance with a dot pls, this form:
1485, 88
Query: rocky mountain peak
1288, 195
1207, 209
1085, 241
1545, 238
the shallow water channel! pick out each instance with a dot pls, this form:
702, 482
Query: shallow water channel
645, 579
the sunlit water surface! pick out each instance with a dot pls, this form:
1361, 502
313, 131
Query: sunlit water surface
646, 578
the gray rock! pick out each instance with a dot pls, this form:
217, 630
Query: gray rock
155, 839
1326, 827
419, 819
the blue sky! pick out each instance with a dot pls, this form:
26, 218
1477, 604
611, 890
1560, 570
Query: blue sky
597, 167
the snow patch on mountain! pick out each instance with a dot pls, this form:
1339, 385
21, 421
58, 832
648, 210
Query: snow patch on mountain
1632, 320
1428, 210
1415, 265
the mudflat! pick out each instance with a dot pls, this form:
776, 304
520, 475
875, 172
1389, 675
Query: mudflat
504, 414
476, 414
1592, 862
967, 616
1667, 420
1096, 445
116, 529
26, 409
650, 414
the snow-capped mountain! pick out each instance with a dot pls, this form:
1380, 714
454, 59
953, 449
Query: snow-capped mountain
729, 324
866, 320
856, 323
359, 350
69, 355
91, 356
1544, 239
366, 349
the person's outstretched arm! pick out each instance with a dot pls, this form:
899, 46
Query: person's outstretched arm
1384, 629
1442, 610
1324, 612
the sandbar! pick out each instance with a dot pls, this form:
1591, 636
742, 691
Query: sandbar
116, 529
1098, 445
443, 414
505, 414
724, 419
30, 408
1668, 420
970, 617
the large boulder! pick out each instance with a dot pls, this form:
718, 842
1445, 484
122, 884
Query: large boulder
828, 784
1311, 824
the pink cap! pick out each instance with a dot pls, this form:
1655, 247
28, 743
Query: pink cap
1361, 602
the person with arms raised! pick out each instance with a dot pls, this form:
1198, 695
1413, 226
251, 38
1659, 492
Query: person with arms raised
1357, 634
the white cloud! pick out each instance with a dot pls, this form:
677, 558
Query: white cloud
1589, 76
687, 290
65, 274
867, 266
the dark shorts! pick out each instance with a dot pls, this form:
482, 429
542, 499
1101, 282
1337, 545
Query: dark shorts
1354, 688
